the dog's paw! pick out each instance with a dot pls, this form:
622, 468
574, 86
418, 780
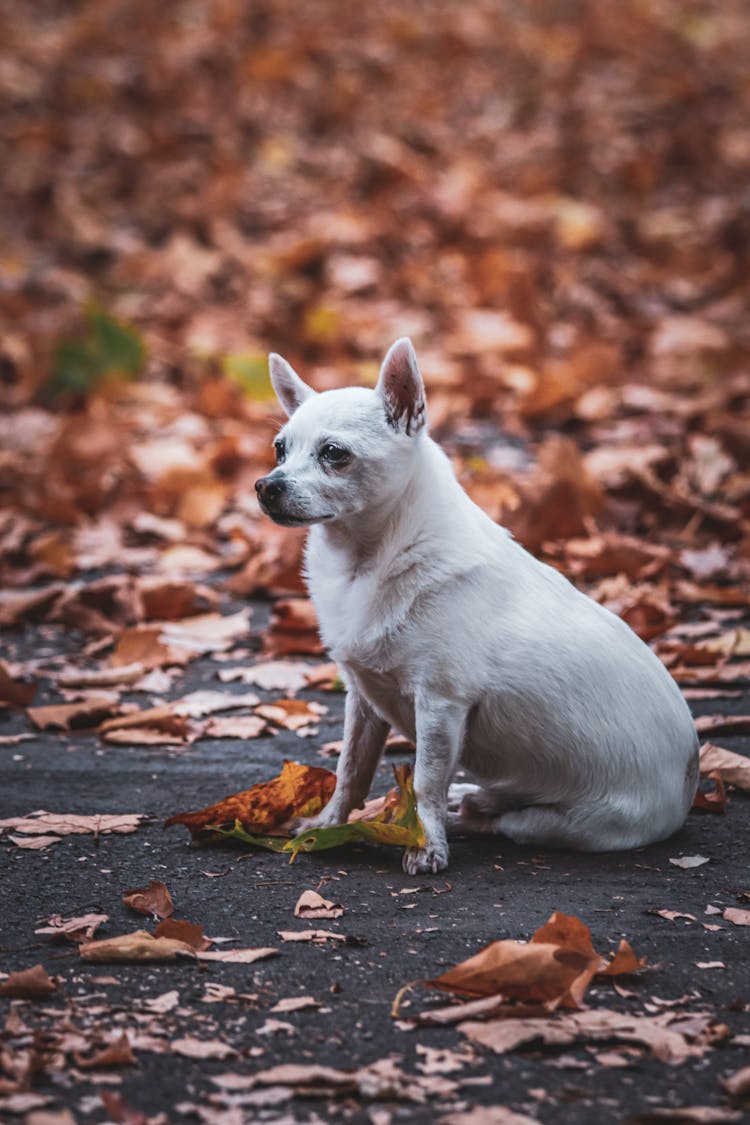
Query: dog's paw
426, 861
307, 823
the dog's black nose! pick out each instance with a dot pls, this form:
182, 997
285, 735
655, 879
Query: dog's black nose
269, 490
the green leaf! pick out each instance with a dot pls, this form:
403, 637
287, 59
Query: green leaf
109, 349
397, 824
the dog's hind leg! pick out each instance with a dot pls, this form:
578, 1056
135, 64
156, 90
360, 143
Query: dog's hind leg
581, 828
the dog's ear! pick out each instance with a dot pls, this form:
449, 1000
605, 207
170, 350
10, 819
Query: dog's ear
290, 390
401, 388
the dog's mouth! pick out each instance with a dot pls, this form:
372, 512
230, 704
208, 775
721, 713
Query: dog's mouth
287, 519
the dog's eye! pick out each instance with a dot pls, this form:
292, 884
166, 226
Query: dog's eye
280, 451
334, 455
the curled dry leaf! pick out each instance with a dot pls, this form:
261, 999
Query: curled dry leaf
138, 946
28, 984
554, 968
74, 929
312, 905
733, 769
154, 900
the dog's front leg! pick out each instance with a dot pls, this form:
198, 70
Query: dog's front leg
364, 737
440, 732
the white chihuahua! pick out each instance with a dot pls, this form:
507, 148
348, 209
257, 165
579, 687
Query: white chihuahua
446, 629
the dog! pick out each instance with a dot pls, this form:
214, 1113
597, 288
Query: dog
446, 629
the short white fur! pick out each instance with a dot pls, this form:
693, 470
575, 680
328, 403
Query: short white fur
446, 629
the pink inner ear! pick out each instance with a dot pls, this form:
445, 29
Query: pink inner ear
404, 393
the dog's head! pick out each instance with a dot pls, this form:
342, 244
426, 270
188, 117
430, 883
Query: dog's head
346, 451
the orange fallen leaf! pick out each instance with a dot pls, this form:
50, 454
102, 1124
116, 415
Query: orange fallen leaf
624, 961
267, 807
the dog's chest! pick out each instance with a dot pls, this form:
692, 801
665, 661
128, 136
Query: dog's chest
353, 614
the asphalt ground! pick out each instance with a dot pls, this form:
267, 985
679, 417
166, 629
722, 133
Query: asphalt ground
398, 929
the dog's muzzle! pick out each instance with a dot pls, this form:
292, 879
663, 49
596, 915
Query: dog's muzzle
270, 491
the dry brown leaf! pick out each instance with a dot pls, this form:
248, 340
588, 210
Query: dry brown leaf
34, 843
624, 961
165, 600
78, 929
28, 984
312, 905
272, 675
602, 1025
137, 946
101, 677
192, 1048
17, 606
733, 769
154, 900
237, 956
315, 936
295, 1004
235, 726
487, 1115
293, 629
67, 824
118, 1053
736, 916
323, 677
85, 714
15, 692
187, 933
292, 714
556, 966
737, 1085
